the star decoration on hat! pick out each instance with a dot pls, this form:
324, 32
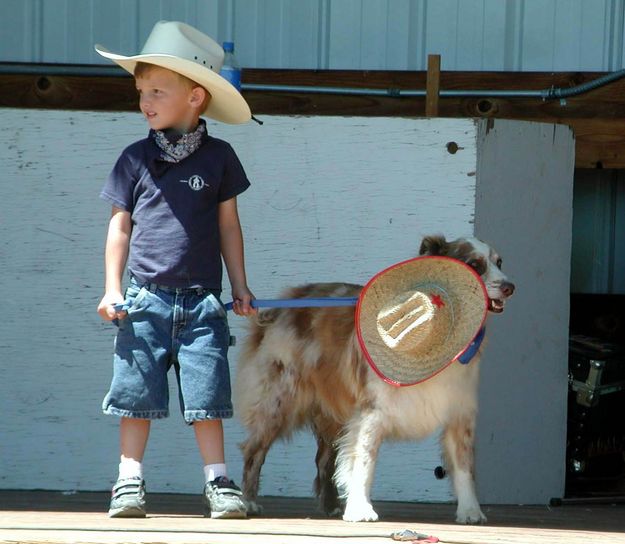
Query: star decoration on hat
437, 301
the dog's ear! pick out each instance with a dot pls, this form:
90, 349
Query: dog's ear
434, 245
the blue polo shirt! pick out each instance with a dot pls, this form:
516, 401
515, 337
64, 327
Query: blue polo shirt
175, 230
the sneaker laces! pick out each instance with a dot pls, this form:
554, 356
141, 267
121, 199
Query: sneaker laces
223, 484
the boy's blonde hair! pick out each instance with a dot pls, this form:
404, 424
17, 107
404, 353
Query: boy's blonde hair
142, 68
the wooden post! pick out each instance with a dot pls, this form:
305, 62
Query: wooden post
432, 87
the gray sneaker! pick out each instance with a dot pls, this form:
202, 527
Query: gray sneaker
128, 499
223, 499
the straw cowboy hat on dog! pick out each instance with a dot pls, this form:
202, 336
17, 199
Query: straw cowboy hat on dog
187, 51
418, 316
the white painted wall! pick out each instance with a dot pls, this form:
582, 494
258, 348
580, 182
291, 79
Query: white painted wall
332, 199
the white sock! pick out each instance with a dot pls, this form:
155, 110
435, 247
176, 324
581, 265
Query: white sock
215, 471
129, 468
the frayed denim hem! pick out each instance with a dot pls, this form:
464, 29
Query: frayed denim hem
144, 414
201, 415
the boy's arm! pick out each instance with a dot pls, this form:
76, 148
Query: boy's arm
115, 255
231, 239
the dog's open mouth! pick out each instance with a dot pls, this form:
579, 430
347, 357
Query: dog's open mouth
495, 305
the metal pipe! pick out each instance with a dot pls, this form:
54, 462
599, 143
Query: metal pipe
553, 93
493, 93
394, 93
68, 70
585, 87
327, 90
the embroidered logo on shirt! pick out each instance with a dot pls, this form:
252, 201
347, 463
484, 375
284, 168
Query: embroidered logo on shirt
195, 182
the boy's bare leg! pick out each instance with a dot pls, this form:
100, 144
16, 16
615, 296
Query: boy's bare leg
223, 499
128, 497
209, 435
133, 437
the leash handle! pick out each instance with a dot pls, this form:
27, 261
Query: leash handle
300, 302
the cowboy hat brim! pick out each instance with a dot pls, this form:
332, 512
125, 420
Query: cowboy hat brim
226, 103
465, 289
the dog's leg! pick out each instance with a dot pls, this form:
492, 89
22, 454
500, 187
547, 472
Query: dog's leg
358, 451
266, 395
270, 422
458, 449
254, 451
324, 485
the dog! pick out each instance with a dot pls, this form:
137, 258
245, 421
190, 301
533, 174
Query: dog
304, 367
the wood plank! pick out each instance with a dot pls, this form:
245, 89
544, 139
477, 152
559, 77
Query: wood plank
595, 116
433, 85
118, 93
600, 144
49, 517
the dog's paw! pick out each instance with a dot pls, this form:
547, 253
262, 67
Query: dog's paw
472, 516
253, 508
359, 512
336, 513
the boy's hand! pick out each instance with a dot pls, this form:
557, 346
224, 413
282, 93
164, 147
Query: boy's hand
105, 308
242, 302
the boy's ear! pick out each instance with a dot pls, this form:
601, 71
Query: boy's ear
198, 96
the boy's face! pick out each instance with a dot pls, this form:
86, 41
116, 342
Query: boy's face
166, 101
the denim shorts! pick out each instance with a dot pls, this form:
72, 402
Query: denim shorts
165, 327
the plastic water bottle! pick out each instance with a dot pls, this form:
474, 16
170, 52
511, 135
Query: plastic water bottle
231, 71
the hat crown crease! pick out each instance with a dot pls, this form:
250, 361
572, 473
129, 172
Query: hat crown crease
183, 41
406, 322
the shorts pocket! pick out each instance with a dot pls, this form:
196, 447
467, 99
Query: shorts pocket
218, 307
134, 296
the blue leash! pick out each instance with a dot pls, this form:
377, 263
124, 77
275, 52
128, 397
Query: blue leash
301, 302
464, 358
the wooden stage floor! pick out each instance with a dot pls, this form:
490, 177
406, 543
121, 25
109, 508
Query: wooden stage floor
44, 517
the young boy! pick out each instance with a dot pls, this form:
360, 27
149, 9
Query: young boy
174, 217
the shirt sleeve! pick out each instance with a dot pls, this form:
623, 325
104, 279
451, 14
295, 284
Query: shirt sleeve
234, 180
119, 187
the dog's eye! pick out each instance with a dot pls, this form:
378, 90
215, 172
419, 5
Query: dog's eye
499, 263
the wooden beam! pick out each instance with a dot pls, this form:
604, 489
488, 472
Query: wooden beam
597, 117
433, 84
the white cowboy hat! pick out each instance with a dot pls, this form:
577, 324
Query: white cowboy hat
418, 316
187, 51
